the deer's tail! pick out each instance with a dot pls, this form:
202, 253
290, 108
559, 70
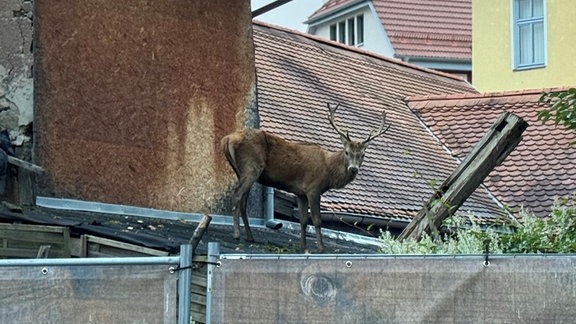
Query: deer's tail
229, 151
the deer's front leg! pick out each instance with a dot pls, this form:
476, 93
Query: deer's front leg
316, 220
303, 209
236, 220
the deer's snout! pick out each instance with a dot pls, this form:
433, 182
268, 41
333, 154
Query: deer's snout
353, 169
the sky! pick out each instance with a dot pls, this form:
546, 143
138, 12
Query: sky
290, 15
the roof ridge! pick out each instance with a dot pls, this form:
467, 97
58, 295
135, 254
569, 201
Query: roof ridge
441, 36
356, 50
485, 95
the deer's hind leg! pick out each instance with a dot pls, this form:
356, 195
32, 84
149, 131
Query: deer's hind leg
239, 209
240, 202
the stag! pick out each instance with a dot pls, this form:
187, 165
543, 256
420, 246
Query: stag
305, 170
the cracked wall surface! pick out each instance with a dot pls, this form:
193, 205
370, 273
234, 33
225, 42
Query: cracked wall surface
16, 79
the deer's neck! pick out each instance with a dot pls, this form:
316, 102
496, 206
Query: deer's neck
339, 174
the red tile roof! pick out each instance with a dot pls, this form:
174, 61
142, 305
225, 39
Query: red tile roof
431, 28
541, 167
299, 73
434, 29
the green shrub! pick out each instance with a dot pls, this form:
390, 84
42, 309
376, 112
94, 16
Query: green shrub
554, 234
529, 234
467, 237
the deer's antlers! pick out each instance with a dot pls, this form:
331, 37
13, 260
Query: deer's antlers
373, 133
333, 122
377, 132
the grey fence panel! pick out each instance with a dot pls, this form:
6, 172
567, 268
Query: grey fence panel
94, 293
341, 289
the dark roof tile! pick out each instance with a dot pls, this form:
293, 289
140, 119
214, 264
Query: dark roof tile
541, 167
293, 90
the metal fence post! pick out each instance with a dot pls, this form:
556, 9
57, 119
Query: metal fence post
213, 255
184, 283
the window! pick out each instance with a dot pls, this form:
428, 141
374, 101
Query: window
529, 34
349, 31
360, 29
333, 32
342, 32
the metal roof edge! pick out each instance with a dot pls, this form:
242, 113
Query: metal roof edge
106, 208
288, 226
312, 20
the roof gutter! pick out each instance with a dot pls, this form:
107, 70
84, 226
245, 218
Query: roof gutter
359, 220
410, 58
327, 216
339, 235
270, 221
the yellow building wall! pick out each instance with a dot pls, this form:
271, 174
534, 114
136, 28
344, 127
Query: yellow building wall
492, 68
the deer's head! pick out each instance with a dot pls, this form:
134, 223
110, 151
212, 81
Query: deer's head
354, 150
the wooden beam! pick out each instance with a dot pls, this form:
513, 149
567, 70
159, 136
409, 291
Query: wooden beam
25, 165
199, 231
500, 139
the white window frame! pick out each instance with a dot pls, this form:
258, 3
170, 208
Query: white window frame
516, 22
350, 24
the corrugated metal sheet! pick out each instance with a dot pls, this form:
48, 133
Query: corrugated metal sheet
132, 98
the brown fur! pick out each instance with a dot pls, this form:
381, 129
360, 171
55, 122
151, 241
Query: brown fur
306, 170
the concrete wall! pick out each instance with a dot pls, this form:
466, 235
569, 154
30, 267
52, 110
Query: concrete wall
132, 98
16, 81
492, 43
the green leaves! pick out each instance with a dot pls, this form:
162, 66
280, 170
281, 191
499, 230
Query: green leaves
467, 238
553, 234
561, 108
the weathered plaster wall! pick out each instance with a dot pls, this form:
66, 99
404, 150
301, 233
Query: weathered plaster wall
492, 48
16, 80
132, 98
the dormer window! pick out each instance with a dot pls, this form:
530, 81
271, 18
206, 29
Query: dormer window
349, 31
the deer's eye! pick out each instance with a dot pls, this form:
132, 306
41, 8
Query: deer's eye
346, 152
362, 156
